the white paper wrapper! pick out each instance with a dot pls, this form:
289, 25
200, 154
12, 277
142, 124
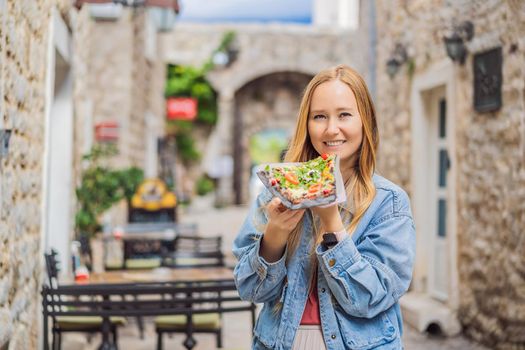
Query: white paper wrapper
339, 197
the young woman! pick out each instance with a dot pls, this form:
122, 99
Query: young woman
330, 278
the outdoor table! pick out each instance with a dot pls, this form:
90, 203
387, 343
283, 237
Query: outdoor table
128, 279
162, 274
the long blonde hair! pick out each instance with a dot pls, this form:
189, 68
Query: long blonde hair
361, 190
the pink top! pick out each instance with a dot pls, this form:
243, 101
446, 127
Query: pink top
311, 314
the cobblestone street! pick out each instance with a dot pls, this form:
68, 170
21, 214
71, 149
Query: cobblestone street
237, 333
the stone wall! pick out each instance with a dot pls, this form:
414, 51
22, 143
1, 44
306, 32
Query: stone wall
110, 74
490, 152
122, 83
23, 49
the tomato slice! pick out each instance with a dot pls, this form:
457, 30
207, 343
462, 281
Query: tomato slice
292, 178
324, 156
314, 188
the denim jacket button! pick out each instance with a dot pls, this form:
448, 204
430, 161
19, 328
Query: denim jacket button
333, 336
331, 262
323, 290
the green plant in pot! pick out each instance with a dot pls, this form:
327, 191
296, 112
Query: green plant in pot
100, 188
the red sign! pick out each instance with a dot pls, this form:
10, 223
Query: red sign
181, 108
106, 131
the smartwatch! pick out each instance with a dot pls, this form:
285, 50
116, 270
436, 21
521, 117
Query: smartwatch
329, 240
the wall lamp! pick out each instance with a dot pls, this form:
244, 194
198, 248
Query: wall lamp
227, 51
396, 60
455, 42
223, 59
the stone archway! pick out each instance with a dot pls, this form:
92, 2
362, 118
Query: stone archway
270, 101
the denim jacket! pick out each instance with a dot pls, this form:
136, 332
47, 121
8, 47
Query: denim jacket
360, 280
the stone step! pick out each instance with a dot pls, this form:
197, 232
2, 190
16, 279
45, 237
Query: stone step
420, 311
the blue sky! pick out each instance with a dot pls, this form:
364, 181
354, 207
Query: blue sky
298, 11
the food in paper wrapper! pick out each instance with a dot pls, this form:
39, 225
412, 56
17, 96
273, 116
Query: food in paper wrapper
317, 182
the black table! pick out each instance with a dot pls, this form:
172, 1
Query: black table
145, 293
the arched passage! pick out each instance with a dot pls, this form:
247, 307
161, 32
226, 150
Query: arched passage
265, 103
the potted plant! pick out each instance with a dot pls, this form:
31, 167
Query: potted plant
100, 188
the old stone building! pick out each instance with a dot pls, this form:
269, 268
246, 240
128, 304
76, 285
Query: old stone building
62, 72
462, 165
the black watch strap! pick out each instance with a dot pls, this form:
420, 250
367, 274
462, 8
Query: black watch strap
329, 240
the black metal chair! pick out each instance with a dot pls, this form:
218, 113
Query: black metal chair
205, 320
143, 252
191, 251
68, 323
195, 251
210, 322
143, 299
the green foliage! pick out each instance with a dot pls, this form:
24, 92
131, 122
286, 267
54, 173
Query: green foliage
227, 39
181, 126
186, 148
129, 180
411, 67
184, 141
101, 187
100, 151
188, 81
204, 186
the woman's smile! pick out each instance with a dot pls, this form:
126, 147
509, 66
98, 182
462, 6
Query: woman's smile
333, 145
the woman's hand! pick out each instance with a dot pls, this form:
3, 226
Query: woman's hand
282, 219
330, 218
281, 222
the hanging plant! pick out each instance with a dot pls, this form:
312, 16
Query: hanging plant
188, 81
